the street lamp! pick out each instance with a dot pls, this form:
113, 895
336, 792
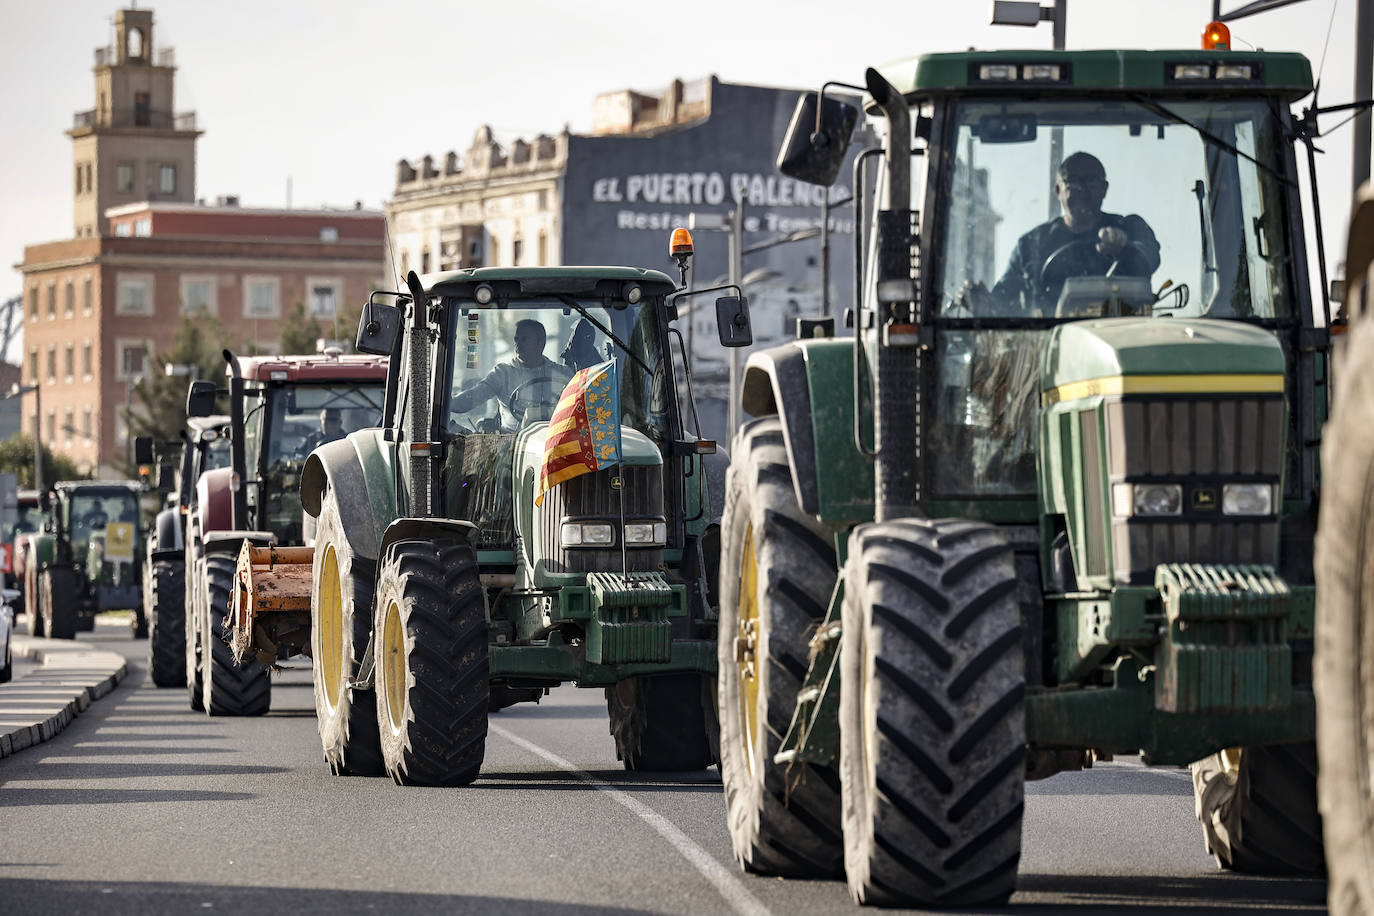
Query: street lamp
18, 391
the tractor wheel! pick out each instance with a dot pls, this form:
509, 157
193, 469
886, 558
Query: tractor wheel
341, 625
195, 664
230, 689
431, 670
664, 724
932, 717
33, 598
777, 575
164, 601
1258, 808
1343, 664
60, 601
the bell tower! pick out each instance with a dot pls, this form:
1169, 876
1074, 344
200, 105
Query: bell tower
133, 146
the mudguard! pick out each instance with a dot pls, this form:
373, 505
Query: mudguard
231, 542
215, 500
166, 541
360, 471
833, 479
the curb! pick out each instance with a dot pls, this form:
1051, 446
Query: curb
40, 704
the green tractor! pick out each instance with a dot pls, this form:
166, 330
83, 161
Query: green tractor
87, 559
447, 583
1055, 500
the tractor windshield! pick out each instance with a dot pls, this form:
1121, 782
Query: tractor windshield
1062, 210
93, 511
28, 518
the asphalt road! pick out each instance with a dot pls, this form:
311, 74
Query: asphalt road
141, 806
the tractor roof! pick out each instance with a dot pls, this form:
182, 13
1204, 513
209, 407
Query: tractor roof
313, 368
545, 280
68, 486
199, 425
1285, 74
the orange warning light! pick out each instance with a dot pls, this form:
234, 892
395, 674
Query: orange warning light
681, 243
1216, 37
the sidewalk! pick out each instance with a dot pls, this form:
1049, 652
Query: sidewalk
39, 704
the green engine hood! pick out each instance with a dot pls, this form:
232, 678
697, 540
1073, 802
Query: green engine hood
1083, 358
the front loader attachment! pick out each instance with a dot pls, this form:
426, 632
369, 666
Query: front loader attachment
270, 609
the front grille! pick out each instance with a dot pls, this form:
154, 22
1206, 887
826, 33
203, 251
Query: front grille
1201, 444
591, 496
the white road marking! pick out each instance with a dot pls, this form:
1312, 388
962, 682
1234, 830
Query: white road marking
721, 877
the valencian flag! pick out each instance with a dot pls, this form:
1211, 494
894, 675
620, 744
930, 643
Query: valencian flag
584, 434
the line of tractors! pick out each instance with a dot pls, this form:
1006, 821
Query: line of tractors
1015, 524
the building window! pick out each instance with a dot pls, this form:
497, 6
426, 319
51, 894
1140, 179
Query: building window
167, 179
324, 297
134, 295
198, 295
89, 185
86, 423
52, 363
78, 179
86, 296
424, 261
33, 365
124, 177
33, 302
69, 361
86, 365
543, 247
52, 426
517, 248
329, 234
69, 425
124, 230
52, 300
143, 108
133, 358
143, 227
69, 299
261, 297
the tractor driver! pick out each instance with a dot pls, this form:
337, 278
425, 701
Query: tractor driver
331, 429
1084, 241
529, 380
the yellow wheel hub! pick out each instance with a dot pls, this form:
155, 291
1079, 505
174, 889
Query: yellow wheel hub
331, 627
746, 647
393, 662
1230, 763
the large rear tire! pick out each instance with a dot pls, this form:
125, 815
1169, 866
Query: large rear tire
932, 718
33, 597
1258, 809
60, 599
432, 670
341, 624
195, 661
165, 603
230, 689
777, 574
665, 723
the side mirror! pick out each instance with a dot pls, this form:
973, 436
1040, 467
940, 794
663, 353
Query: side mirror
1005, 128
378, 329
166, 476
143, 450
732, 321
200, 399
814, 154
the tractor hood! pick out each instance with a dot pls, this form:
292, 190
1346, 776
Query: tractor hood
1084, 358
635, 448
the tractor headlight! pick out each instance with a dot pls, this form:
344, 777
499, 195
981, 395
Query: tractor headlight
1151, 499
1247, 499
646, 534
586, 534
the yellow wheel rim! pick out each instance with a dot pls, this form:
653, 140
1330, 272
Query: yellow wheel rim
1230, 762
331, 627
746, 647
393, 664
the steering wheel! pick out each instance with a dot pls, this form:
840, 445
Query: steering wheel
1079, 258
518, 409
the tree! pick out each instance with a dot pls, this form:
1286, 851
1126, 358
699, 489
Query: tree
299, 331
16, 456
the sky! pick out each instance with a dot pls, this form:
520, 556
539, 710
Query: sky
325, 97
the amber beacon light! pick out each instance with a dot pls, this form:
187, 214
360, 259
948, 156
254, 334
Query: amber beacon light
681, 243
1216, 37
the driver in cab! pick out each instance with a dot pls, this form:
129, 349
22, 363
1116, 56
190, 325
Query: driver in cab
529, 380
1083, 241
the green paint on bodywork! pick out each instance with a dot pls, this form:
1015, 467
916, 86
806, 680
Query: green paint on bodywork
568, 280
1109, 347
42, 548
1092, 627
1282, 74
557, 662
377, 457
844, 475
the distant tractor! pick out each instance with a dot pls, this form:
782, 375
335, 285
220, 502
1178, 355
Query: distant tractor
204, 446
28, 519
281, 408
1055, 500
87, 559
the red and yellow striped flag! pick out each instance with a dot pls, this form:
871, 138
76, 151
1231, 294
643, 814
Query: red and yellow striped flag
584, 434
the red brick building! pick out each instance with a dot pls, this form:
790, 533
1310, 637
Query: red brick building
145, 254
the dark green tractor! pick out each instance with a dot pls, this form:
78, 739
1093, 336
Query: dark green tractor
1055, 501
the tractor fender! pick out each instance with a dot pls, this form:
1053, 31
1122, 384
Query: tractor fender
1359, 255
832, 478
215, 500
231, 542
166, 540
360, 472
433, 529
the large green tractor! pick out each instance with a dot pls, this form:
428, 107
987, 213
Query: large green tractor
1055, 501
445, 586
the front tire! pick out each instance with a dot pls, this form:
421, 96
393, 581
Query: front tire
664, 724
432, 669
230, 689
33, 598
932, 718
165, 602
59, 592
341, 624
777, 574
1258, 809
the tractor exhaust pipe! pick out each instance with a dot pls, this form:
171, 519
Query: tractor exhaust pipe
237, 458
418, 435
